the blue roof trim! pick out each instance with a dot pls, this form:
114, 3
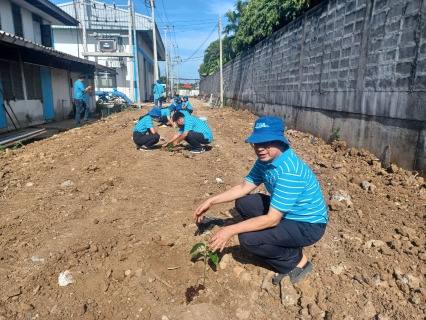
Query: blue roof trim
145, 56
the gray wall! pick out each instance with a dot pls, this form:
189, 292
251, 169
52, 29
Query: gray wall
357, 64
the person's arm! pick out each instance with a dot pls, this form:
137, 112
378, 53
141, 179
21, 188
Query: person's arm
269, 220
180, 138
236, 192
176, 135
88, 88
169, 119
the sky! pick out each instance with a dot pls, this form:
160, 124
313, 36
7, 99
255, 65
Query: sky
193, 26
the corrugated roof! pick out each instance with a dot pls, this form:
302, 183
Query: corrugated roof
21, 42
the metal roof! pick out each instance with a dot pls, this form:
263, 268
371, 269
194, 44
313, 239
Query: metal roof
15, 41
47, 10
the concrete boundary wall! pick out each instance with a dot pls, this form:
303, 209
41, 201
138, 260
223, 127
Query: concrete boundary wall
356, 65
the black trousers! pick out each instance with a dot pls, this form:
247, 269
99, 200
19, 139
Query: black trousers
280, 246
163, 120
148, 139
195, 139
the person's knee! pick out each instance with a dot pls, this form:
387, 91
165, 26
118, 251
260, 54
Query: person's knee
248, 242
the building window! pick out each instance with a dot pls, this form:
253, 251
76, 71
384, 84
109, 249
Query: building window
10, 73
105, 80
17, 20
33, 81
46, 35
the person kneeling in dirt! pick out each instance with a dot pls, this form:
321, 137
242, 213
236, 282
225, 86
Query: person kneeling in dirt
275, 227
166, 117
191, 129
186, 105
144, 134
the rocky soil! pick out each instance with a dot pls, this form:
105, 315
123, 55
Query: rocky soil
92, 228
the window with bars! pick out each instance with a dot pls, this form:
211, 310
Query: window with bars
10, 74
17, 20
33, 81
105, 80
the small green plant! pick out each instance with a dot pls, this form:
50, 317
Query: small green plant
204, 249
2, 149
16, 145
170, 146
335, 136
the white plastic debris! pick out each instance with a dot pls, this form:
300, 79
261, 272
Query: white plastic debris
35, 259
65, 278
219, 180
29, 184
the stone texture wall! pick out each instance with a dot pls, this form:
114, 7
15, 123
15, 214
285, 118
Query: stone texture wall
357, 65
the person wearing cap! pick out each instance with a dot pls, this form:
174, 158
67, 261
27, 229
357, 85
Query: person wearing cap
144, 134
275, 227
158, 94
178, 106
80, 105
186, 105
191, 129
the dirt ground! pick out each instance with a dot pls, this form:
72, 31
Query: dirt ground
86, 209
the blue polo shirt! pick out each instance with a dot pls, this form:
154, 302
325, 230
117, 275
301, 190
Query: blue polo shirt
144, 124
188, 105
158, 91
293, 187
194, 124
165, 112
79, 90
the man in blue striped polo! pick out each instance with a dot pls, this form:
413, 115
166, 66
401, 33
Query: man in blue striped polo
277, 226
191, 129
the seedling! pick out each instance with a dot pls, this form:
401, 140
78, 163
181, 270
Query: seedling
16, 145
170, 146
204, 249
335, 136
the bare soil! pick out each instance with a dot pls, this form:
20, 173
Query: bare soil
120, 220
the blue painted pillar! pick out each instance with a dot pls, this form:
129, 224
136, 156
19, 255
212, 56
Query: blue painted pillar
46, 87
3, 121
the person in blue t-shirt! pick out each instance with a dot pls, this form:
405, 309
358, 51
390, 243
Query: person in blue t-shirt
187, 105
144, 134
277, 226
191, 129
166, 117
80, 105
158, 94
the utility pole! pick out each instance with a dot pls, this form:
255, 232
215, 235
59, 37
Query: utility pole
177, 80
154, 39
138, 85
83, 25
167, 64
220, 58
130, 65
171, 72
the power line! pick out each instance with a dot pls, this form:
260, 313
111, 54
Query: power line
202, 43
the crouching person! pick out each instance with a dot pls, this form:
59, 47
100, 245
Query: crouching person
144, 134
277, 226
191, 129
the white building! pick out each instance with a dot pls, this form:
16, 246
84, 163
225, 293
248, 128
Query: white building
107, 30
36, 81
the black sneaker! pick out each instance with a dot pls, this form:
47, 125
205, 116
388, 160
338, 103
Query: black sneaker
197, 151
145, 149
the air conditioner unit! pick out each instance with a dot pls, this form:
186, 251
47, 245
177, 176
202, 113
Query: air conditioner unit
107, 45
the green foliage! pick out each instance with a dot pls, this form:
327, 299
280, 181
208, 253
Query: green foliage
335, 136
16, 145
250, 22
2, 149
170, 146
204, 249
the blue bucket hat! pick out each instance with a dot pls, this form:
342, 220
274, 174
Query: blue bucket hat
185, 97
172, 107
155, 112
268, 129
158, 81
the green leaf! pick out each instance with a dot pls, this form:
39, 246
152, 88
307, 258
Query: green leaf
214, 257
199, 244
195, 255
